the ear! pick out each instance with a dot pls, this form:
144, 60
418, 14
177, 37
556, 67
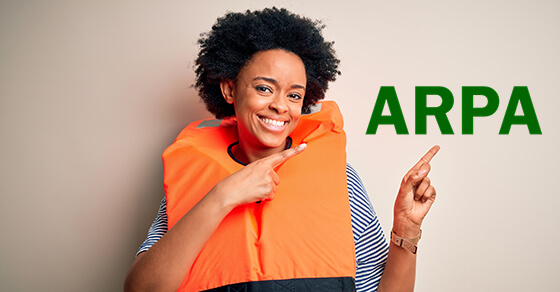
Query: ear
227, 90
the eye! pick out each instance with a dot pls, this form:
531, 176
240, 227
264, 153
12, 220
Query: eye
296, 96
263, 89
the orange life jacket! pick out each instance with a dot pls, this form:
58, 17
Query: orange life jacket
304, 232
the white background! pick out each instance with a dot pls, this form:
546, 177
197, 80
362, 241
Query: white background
92, 92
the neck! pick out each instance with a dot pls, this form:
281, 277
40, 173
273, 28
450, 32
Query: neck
247, 154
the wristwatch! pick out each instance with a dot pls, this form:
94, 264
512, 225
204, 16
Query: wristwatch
409, 244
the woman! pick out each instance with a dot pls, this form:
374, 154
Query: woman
246, 211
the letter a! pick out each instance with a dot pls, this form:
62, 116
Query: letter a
520, 95
387, 94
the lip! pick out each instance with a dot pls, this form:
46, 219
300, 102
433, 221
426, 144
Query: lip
273, 124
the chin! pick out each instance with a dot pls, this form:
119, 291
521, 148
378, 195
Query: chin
273, 143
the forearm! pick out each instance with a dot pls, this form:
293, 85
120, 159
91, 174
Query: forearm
164, 266
400, 269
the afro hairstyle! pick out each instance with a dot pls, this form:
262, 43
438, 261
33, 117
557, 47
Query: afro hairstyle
236, 37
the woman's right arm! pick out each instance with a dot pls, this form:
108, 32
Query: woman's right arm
164, 266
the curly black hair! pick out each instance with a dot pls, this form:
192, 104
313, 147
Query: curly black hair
236, 37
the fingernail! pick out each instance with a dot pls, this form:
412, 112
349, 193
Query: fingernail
301, 146
421, 172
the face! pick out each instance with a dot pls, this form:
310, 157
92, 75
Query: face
268, 97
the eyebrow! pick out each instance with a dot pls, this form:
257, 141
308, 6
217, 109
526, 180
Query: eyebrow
272, 80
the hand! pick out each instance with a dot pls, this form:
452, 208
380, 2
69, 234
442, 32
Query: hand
256, 181
415, 198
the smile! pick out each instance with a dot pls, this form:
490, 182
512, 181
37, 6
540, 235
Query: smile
274, 123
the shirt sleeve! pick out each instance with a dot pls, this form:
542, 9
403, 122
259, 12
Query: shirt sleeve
371, 247
158, 228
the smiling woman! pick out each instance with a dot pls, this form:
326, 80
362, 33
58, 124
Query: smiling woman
268, 98
246, 211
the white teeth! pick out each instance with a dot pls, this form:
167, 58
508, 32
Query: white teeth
273, 122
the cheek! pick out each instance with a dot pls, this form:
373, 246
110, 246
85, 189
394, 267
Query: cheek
295, 115
250, 102
295, 111
243, 106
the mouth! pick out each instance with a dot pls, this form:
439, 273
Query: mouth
272, 123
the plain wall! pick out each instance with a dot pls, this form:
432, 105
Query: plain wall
91, 93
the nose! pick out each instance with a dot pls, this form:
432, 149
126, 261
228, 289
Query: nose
279, 104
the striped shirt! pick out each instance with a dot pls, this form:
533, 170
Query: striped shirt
369, 241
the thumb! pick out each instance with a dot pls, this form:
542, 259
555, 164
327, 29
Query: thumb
412, 180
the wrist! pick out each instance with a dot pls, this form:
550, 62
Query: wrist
405, 228
220, 199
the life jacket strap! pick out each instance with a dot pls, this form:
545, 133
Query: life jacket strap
341, 284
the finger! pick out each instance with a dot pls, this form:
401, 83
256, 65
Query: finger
279, 158
275, 177
424, 185
429, 195
413, 178
427, 201
417, 171
270, 195
272, 191
427, 157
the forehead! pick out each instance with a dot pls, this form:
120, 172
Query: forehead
277, 64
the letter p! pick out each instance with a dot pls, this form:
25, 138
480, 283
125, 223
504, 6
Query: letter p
469, 111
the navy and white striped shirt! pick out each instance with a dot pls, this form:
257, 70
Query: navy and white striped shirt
369, 241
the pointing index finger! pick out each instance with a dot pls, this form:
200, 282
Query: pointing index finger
428, 156
279, 158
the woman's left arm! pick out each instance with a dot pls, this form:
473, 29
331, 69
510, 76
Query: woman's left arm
415, 198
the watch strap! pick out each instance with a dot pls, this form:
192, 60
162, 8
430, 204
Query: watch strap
409, 244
